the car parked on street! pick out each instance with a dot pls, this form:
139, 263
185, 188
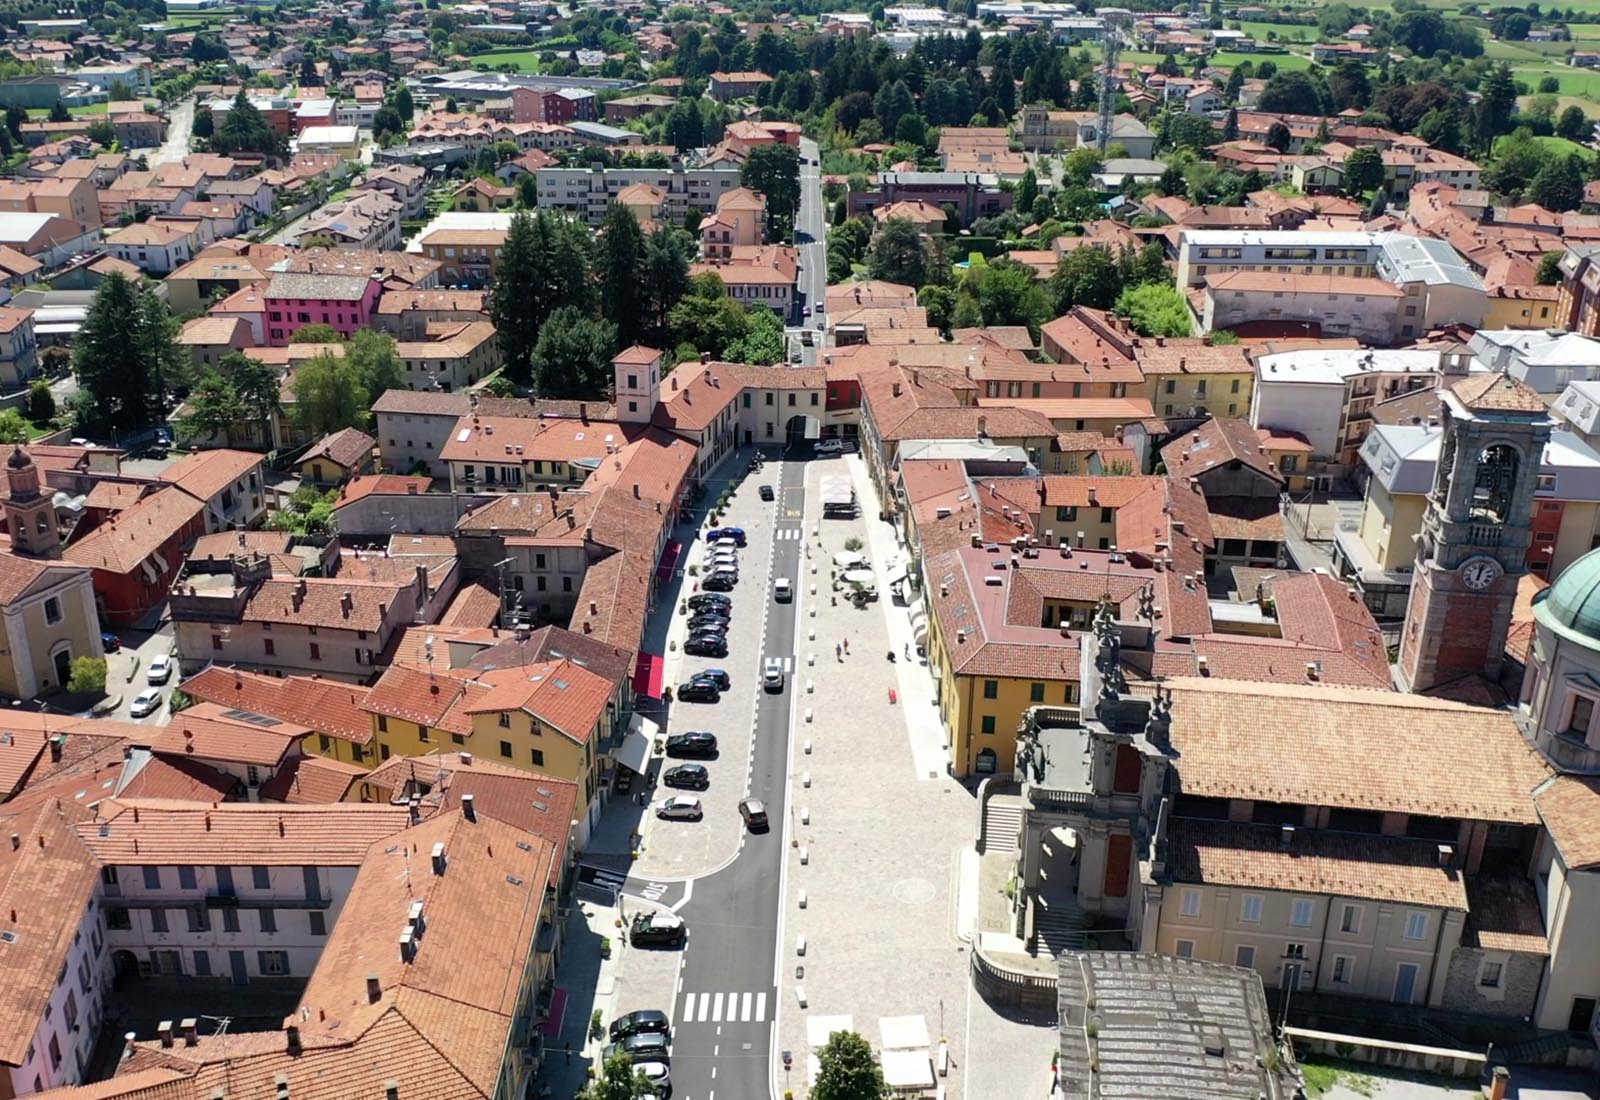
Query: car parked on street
734, 535
754, 812
766, 492
717, 676
706, 645
146, 702
659, 1077
645, 1021
645, 1046
110, 642
720, 582
827, 447
700, 601
680, 807
698, 692
689, 777
657, 930
721, 557
708, 624
693, 743
160, 670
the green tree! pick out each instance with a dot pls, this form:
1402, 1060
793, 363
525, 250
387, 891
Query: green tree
620, 269
1150, 266
41, 402
573, 356
899, 253
1079, 166
1008, 294
846, 1070
774, 171
1550, 85
1155, 310
618, 1080
328, 395
124, 356
387, 120
665, 281
1086, 276
1279, 137
706, 319
1549, 271
315, 334
1497, 98
13, 427
893, 100
762, 344
88, 676
244, 130
404, 103
1363, 171
377, 366
1574, 125
940, 304
516, 283
258, 387
102, 133
1558, 185
59, 112
214, 410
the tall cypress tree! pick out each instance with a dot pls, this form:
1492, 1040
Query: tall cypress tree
124, 357
620, 266
511, 302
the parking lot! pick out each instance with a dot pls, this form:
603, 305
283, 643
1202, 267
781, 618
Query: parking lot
684, 849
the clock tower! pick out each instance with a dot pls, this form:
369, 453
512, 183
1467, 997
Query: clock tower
1476, 532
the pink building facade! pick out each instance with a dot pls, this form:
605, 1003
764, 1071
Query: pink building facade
345, 303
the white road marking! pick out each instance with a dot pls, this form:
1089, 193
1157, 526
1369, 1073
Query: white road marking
761, 1006
716, 1008
744, 1009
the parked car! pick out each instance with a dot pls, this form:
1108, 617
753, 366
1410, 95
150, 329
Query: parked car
772, 675
645, 1021
644, 1046
702, 600
734, 535
160, 670
698, 692
706, 645
689, 777
659, 1077
827, 447
720, 582
754, 812
693, 743
720, 553
782, 590
717, 676
680, 807
766, 492
657, 929
110, 642
146, 702
709, 623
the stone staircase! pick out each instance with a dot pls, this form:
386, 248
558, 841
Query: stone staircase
1002, 824
1057, 926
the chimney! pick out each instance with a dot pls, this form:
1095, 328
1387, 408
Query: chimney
164, 1032
56, 744
291, 1033
374, 989
414, 804
1500, 1082
469, 809
423, 590
191, 1031
130, 1040
1447, 855
583, 412
1200, 664
408, 947
438, 858
466, 759
897, 389
1285, 836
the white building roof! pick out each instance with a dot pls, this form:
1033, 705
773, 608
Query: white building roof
1579, 405
329, 135
1425, 260
1335, 366
1402, 458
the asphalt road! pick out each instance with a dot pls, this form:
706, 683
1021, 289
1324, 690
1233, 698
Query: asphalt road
180, 125
811, 223
725, 1005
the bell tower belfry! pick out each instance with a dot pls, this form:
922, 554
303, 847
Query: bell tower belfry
30, 511
1476, 532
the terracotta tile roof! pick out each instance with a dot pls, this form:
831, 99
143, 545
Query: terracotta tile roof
440, 699
208, 731
1569, 806
1335, 746
19, 574
23, 737
156, 831
540, 804
177, 779
1178, 357
204, 474
451, 301
1500, 392
326, 706
562, 694
114, 496
47, 882
121, 543
1216, 443
370, 607
349, 448
311, 780
474, 605
154, 1083
1380, 868
1097, 342
554, 643
426, 402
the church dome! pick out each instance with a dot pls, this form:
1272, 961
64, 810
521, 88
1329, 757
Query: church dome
1573, 601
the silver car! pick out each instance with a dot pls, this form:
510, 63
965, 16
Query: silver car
680, 807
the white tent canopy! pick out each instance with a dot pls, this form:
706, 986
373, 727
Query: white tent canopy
903, 1032
908, 1070
820, 1028
846, 558
859, 576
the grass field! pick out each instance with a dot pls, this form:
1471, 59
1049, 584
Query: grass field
202, 18
526, 61
1286, 62
1564, 147
1584, 83
1588, 107
75, 112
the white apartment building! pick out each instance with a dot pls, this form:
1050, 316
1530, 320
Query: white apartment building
589, 192
1327, 394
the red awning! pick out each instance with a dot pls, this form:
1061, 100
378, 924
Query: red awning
558, 1012
669, 560
647, 675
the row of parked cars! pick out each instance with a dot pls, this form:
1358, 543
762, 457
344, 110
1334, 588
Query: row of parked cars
646, 1038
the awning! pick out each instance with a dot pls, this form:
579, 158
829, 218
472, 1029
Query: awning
819, 1029
903, 1032
634, 752
558, 1012
907, 1070
647, 675
670, 553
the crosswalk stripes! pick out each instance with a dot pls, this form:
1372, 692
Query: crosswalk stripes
740, 1007
786, 662
787, 534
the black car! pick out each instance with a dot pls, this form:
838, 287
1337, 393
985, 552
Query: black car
706, 645
703, 601
692, 744
656, 929
717, 676
647, 1046
702, 691
720, 582
637, 1023
689, 777
766, 492
708, 623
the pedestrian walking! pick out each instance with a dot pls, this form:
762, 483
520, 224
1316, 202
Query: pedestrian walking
838, 653
847, 647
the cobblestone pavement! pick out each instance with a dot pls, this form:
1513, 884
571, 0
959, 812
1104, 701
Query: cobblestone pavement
886, 820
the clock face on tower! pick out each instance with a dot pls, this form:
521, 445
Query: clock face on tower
1479, 573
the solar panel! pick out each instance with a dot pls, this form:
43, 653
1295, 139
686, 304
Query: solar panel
251, 717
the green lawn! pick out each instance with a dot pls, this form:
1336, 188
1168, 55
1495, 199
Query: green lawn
1564, 147
1286, 62
76, 112
526, 61
1563, 102
1286, 32
1574, 81
202, 18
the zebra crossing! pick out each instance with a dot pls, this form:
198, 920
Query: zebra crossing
723, 1008
787, 663
787, 534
